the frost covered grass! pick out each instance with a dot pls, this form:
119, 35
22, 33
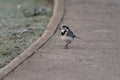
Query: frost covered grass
18, 31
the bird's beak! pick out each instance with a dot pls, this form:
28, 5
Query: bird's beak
59, 28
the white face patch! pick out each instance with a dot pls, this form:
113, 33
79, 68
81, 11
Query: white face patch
62, 30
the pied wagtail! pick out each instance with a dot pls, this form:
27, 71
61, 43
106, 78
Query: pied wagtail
67, 35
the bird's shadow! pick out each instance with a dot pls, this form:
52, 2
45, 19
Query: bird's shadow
74, 47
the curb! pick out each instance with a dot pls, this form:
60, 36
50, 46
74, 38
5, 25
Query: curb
58, 13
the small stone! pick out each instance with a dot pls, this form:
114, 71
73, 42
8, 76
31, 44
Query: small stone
40, 11
24, 31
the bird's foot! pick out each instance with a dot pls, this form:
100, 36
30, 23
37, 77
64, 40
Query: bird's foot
66, 47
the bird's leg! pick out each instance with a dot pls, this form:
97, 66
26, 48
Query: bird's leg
66, 46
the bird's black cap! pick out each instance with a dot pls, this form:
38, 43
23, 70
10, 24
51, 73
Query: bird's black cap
65, 27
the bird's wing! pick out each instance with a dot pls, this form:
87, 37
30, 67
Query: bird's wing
70, 33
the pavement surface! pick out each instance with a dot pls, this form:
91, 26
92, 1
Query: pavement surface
95, 57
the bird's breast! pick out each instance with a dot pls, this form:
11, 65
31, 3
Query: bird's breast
67, 38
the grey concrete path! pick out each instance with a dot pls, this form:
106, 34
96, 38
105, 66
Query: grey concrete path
95, 57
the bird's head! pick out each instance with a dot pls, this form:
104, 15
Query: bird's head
65, 27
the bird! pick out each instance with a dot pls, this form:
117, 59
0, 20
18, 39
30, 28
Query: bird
67, 35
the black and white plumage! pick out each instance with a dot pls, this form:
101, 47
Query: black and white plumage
67, 35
